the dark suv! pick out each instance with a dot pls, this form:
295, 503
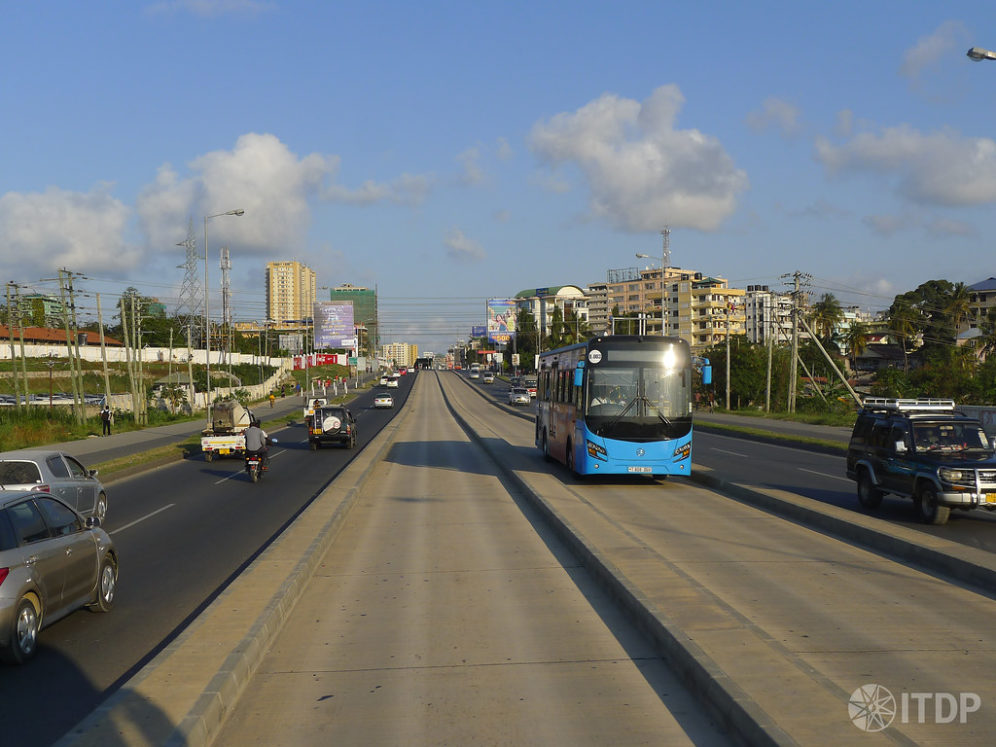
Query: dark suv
925, 450
332, 424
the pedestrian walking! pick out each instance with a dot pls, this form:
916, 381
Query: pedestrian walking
106, 418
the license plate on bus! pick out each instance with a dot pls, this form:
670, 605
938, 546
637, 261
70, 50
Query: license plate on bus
990, 497
222, 451
641, 470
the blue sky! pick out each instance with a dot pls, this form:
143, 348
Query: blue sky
449, 152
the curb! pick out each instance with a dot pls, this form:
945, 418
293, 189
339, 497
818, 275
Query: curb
117, 718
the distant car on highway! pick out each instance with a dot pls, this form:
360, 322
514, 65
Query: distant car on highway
519, 395
392, 382
487, 378
475, 374
55, 472
52, 562
384, 400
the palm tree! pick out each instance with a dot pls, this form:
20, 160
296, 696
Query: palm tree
856, 340
826, 316
958, 305
903, 323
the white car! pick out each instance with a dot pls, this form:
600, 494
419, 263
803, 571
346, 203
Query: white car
384, 400
475, 374
487, 378
392, 383
519, 395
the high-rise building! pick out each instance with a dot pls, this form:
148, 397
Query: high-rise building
399, 354
364, 303
291, 289
698, 308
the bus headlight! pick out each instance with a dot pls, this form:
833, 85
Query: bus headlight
596, 451
683, 451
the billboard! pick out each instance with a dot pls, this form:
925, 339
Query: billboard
501, 319
334, 325
292, 343
478, 331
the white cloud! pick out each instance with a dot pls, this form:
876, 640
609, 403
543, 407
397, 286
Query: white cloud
886, 225
777, 113
948, 37
942, 168
463, 248
469, 160
504, 149
83, 232
260, 175
642, 173
945, 227
845, 123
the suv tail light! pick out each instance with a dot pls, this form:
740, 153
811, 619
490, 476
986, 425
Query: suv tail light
42, 488
3, 574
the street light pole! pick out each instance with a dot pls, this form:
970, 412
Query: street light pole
663, 289
207, 314
977, 54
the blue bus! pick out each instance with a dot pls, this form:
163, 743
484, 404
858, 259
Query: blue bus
619, 405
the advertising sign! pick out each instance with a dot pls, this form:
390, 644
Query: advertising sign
292, 343
501, 319
478, 331
334, 324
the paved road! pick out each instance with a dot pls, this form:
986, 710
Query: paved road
776, 624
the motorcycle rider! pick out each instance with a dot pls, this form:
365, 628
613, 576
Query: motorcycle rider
257, 442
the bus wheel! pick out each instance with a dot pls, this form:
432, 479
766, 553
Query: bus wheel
545, 447
570, 458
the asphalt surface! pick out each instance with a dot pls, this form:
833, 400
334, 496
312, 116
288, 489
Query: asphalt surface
218, 655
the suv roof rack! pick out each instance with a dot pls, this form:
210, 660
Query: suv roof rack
890, 404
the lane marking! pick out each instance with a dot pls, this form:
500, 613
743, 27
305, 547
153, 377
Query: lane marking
139, 521
734, 453
824, 474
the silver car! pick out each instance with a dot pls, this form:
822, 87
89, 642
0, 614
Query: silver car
519, 395
52, 562
54, 472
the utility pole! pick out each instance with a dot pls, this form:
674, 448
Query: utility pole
68, 317
794, 365
13, 359
103, 354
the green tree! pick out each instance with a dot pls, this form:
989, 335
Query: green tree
855, 339
825, 316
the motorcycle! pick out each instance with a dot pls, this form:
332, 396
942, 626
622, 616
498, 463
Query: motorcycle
254, 464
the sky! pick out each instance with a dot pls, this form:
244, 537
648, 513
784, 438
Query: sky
445, 153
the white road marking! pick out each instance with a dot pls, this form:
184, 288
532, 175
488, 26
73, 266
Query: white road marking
734, 453
139, 521
824, 474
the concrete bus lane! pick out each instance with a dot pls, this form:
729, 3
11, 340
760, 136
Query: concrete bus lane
444, 614
796, 635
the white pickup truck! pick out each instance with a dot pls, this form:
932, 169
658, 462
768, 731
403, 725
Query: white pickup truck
225, 436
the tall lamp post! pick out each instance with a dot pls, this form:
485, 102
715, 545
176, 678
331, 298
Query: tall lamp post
663, 290
207, 314
977, 54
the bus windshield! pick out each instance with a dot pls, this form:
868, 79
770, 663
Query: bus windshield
638, 402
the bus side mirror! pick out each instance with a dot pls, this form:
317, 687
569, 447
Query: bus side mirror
706, 374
